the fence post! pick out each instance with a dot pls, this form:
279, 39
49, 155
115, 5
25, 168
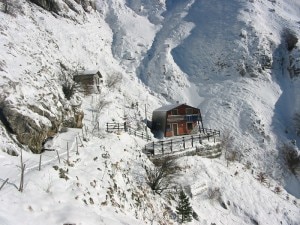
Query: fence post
21, 187
183, 142
125, 127
58, 157
192, 141
153, 146
77, 152
106, 127
68, 155
162, 147
171, 146
214, 137
118, 127
40, 163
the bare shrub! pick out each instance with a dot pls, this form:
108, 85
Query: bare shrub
68, 89
261, 177
35, 141
277, 190
248, 165
291, 157
213, 193
101, 104
227, 144
233, 155
113, 80
161, 176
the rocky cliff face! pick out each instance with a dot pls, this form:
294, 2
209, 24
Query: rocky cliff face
38, 60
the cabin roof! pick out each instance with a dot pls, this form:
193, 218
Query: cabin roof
88, 72
166, 108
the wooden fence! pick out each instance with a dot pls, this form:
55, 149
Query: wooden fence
180, 143
111, 127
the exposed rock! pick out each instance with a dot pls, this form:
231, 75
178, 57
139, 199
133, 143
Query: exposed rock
50, 5
294, 65
32, 124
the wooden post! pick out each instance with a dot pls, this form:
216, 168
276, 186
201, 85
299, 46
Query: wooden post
153, 146
68, 155
214, 137
58, 157
82, 133
125, 127
118, 127
162, 147
192, 141
183, 142
77, 152
4, 183
22, 172
21, 187
40, 163
86, 131
106, 127
171, 146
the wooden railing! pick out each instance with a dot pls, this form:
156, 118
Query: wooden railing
180, 143
112, 127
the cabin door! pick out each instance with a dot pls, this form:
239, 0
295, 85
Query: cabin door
175, 129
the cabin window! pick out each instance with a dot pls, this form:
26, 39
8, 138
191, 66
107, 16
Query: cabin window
175, 112
168, 127
189, 111
189, 126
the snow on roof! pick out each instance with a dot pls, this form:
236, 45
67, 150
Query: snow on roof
167, 107
88, 72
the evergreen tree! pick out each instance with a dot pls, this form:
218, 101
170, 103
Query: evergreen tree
184, 209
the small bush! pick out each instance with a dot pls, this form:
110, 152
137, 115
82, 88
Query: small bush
277, 190
113, 80
213, 193
35, 141
161, 176
291, 157
261, 177
63, 173
68, 89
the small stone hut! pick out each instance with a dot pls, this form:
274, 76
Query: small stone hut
89, 80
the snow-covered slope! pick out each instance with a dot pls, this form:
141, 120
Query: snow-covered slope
232, 59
